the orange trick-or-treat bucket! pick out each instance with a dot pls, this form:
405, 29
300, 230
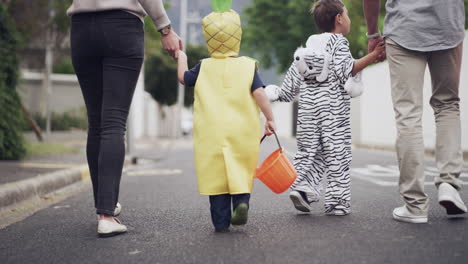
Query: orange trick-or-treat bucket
276, 171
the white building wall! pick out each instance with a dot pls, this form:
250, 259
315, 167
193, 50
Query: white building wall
151, 116
283, 118
136, 117
66, 95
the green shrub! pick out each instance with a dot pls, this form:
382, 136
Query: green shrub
11, 137
65, 66
73, 119
69, 120
11, 119
161, 75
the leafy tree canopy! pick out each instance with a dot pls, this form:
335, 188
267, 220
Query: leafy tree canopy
33, 18
11, 138
275, 29
161, 70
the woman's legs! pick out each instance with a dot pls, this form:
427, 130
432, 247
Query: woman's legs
87, 62
107, 53
123, 37
119, 80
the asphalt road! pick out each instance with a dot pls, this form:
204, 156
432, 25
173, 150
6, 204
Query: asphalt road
169, 222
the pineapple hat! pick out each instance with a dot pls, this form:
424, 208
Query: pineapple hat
222, 30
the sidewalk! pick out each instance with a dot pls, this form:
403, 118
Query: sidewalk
37, 176
57, 162
71, 157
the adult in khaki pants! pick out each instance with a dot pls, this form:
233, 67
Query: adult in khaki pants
420, 33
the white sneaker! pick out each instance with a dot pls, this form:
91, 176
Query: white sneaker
107, 228
402, 214
299, 201
451, 200
117, 210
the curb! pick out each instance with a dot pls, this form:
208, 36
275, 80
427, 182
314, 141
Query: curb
15, 192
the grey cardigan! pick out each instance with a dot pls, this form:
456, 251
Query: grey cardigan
141, 8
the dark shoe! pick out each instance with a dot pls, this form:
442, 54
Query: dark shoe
300, 201
222, 230
240, 214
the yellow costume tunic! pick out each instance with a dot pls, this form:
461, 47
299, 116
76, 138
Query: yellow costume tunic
226, 126
226, 117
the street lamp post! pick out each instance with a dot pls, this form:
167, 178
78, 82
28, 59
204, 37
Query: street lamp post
185, 20
181, 88
50, 38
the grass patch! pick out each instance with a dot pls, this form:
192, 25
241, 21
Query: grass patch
40, 149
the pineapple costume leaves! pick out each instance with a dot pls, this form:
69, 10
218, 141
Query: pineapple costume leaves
221, 5
222, 30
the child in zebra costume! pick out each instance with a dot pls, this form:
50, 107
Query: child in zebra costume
318, 75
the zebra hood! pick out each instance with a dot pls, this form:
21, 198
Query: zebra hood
312, 62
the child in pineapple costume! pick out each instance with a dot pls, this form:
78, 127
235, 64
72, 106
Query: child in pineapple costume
228, 92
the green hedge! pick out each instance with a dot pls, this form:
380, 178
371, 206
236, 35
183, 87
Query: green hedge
73, 119
11, 118
64, 66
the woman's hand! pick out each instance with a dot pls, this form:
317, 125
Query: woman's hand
172, 43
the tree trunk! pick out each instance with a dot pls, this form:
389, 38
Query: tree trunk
37, 130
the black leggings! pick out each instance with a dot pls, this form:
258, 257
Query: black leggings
107, 51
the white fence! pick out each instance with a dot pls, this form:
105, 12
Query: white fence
144, 117
66, 94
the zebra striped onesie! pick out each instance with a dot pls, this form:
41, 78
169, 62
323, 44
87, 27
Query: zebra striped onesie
318, 75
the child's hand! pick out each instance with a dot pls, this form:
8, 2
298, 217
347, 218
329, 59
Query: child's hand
181, 55
373, 43
182, 66
379, 51
270, 126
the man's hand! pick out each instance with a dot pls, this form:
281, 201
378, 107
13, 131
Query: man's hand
172, 43
372, 43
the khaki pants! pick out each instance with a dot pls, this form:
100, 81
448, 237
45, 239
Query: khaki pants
407, 75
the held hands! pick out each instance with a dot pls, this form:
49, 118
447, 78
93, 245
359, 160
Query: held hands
182, 66
180, 55
270, 126
172, 43
376, 47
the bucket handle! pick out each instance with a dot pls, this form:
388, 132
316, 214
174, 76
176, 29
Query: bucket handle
277, 140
